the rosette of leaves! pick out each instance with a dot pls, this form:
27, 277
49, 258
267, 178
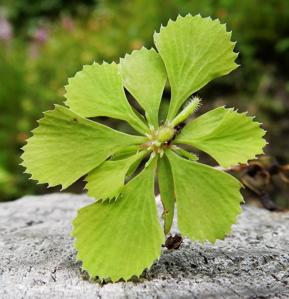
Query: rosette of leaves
120, 234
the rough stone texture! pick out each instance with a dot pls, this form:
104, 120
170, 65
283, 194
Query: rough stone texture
38, 259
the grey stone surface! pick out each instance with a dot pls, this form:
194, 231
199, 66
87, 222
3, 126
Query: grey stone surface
37, 258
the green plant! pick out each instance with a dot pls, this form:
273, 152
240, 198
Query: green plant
119, 235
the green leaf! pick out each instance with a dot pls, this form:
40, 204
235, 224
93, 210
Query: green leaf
195, 50
208, 200
119, 240
97, 90
144, 76
226, 135
127, 152
184, 153
66, 146
166, 188
107, 180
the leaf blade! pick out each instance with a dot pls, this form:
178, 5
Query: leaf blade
226, 135
208, 200
139, 235
166, 188
97, 90
144, 76
66, 146
195, 50
107, 180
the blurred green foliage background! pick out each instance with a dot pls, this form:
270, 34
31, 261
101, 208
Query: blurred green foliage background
44, 42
